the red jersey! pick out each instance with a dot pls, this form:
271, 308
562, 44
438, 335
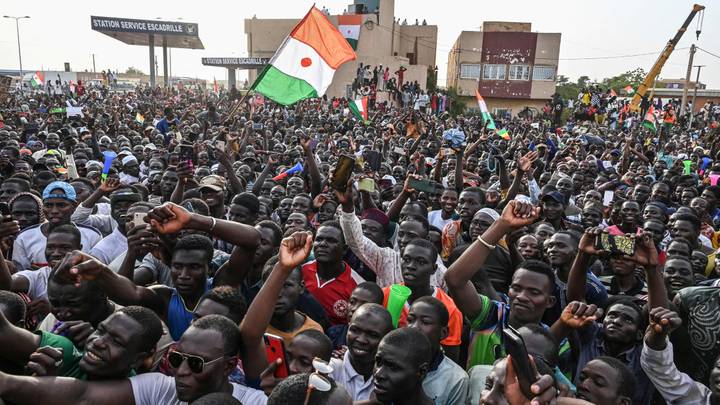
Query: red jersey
333, 294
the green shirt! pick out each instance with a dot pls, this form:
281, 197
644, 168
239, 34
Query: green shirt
71, 354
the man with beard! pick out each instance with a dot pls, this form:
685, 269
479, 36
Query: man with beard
530, 293
328, 278
59, 202
204, 358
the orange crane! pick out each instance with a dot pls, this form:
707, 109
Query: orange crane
655, 70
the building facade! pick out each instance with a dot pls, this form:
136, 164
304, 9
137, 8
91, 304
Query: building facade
510, 65
383, 41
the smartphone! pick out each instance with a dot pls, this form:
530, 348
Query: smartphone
342, 172
275, 349
373, 159
616, 244
421, 185
139, 219
366, 185
257, 125
399, 150
186, 153
4, 209
515, 347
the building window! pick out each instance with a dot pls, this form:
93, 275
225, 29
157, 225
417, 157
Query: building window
543, 72
494, 72
501, 112
519, 72
470, 71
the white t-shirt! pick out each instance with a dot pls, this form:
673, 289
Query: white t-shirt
29, 246
435, 219
37, 281
159, 389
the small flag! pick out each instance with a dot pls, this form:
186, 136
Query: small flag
484, 111
38, 79
139, 118
649, 121
359, 108
295, 169
504, 134
349, 26
306, 61
215, 86
612, 93
629, 90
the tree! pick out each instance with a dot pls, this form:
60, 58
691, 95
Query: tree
565, 88
431, 82
457, 106
134, 71
630, 78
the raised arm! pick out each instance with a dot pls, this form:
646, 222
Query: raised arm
171, 218
458, 171
393, 211
184, 174
311, 165
646, 255
16, 344
78, 267
293, 252
64, 391
577, 278
524, 164
515, 215
223, 158
257, 187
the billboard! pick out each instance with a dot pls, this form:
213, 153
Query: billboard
143, 26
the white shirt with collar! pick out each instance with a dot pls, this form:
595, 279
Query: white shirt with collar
344, 374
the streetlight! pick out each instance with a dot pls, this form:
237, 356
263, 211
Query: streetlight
17, 30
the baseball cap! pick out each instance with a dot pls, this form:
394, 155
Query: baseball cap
556, 196
213, 182
68, 192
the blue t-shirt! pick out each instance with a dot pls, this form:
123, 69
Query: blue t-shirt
595, 293
164, 126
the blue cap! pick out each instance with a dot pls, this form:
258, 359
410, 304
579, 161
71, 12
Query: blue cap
68, 192
555, 195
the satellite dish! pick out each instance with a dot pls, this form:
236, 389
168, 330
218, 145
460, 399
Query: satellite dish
370, 25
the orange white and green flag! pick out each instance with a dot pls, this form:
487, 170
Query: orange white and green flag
504, 134
484, 113
306, 61
349, 26
359, 107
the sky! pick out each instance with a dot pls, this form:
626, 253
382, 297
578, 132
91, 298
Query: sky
605, 32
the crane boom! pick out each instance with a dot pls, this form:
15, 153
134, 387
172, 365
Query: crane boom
655, 70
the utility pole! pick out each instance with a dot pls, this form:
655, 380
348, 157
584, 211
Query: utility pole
697, 83
687, 80
17, 31
93, 55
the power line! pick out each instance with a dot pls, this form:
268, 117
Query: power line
708, 52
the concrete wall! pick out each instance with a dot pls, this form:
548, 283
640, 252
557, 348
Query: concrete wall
467, 49
547, 52
380, 39
504, 43
506, 26
515, 105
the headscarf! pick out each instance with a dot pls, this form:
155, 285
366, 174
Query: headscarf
491, 213
41, 214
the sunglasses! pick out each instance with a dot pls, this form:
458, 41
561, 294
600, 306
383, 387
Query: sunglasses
196, 363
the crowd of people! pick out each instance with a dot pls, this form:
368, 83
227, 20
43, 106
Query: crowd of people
165, 247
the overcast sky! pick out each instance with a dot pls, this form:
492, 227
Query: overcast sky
60, 31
